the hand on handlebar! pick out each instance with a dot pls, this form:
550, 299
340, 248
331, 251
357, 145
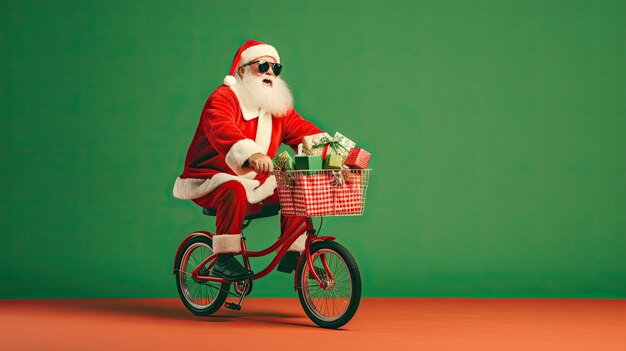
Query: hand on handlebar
261, 163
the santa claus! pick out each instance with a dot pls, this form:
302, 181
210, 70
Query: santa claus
229, 161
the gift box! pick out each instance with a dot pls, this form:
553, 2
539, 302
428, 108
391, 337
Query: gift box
340, 145
306, 162
323, 144
311, 143
358, 158
333, 162
284, 162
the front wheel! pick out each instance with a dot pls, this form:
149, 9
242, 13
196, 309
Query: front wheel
202, 298
333, 303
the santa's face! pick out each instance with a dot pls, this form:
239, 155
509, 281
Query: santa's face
264, 90
267, 78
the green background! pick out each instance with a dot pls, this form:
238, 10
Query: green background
497, 129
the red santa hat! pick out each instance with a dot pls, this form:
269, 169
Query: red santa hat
250, 50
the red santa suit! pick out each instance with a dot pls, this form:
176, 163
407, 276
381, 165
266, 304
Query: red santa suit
229, 132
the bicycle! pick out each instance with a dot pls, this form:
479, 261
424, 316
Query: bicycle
326, 277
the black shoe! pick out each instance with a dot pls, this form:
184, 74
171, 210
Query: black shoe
229, 268
288, 262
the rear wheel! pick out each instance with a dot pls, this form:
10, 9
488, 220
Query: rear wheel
202, 298
333, 302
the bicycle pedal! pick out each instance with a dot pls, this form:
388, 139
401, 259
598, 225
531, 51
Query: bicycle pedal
232, 306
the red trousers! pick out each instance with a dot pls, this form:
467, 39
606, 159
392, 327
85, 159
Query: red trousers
230, 202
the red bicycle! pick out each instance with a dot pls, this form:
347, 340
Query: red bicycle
326, 278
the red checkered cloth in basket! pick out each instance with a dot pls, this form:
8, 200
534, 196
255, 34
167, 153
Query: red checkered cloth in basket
349, 196
285, 196
317, 195
314, 194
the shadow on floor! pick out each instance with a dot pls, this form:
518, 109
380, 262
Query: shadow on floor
166, 309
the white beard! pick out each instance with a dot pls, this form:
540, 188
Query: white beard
277, 99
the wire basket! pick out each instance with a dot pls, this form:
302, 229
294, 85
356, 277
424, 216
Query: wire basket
322, 192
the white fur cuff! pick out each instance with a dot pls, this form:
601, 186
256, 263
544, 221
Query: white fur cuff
239, 153
227, 243
298, 245
263, 191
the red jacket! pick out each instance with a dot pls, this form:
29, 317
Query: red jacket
229, 132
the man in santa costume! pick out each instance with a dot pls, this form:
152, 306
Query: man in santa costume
229, 160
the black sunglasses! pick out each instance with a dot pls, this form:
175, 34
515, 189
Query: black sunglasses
264, 66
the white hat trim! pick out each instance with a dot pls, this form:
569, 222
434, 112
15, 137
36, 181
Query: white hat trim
257, 51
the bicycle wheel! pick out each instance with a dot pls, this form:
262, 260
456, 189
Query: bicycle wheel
334, 305
202, 298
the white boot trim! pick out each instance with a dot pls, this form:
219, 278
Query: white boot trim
298, 245
227, 243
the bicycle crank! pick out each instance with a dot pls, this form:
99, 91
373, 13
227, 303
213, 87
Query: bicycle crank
245, 285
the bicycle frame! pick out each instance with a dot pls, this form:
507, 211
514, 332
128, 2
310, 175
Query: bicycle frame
284, 242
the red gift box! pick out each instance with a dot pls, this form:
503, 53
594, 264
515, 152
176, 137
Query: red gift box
358, 158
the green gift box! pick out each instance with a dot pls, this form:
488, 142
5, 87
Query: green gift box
310, 163
333, 162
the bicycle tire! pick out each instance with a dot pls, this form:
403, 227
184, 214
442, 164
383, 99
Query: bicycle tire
344, 269
187, 287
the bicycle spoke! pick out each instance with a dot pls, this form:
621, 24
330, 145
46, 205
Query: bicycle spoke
341, 274
340, 292
193, 260
335, 308
212, 290
314, 285
195, 290
202, 294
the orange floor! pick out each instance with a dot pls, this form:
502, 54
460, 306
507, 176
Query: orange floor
280, 324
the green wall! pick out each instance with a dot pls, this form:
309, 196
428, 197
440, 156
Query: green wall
497, 128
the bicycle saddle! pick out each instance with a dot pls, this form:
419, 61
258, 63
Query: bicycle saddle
266, 211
